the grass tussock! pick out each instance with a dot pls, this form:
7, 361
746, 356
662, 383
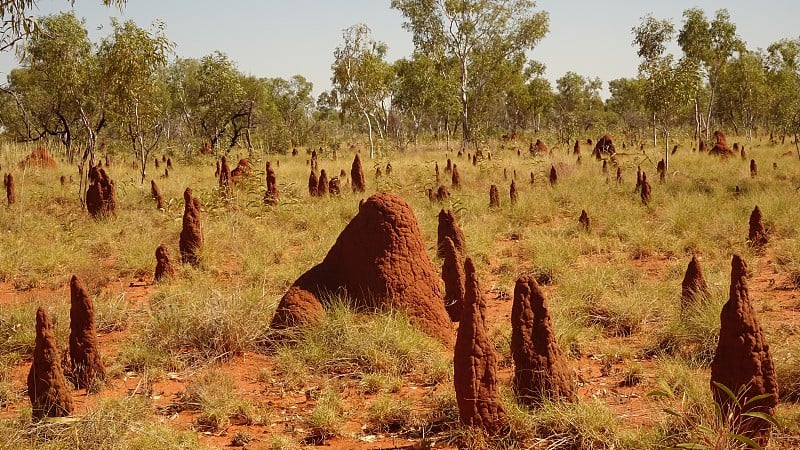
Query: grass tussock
357, 345
214, 396
120, 424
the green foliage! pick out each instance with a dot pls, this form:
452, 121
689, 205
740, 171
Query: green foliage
479, 34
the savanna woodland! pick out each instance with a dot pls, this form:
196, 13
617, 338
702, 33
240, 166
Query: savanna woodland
443, 251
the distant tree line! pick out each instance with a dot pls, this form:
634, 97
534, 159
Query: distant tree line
468, 79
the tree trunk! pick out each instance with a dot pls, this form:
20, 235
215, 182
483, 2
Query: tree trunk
655, 131
465, 131
371, 142
666, 149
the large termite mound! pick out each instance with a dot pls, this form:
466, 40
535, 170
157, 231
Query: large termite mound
693, 287
242, 169
378, 262
313, 184
541, 371
513, 193
604, 145
646, 191
38, 158
101, 196
448, 228
225, 174
742, 362
475, 364
721, 147
47, 387
85, 363
191, 240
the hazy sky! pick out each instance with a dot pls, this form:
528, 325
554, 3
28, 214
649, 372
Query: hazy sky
280, 38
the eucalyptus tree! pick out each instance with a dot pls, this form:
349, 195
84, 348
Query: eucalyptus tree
627, 100
710, 44
671, 85
743, 92
361, 76
421, 93
54, 90
479, 34
293, 102
783, 79
576, 105
132, 65
18, 22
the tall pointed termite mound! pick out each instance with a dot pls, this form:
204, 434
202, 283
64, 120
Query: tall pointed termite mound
742, 364
475, 364
192, 234
86, 365
47, 387
541, 372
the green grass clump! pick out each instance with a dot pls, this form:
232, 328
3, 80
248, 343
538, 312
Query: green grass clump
388, 414
214, 395
192, 322
327, 418
356, 344
119, 424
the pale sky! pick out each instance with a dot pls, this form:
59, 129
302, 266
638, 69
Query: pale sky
280, 38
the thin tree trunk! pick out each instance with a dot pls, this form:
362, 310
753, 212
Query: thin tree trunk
371, 142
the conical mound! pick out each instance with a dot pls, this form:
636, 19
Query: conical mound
86, 365
541, 371
448, 227
742, 362
475, 364
757, 234
191, 240
378, 261
453, 276
694, 287
164, 267
47, 387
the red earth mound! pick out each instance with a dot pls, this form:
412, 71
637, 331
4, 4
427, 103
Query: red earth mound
101, 196
721, 148
47, 387
11, 191
357, 175
453, 276
541, 371
85, 362
378, 261
757, 236
38, 158
743, 363
272, 194
693, 287
448, 228
475, 364
494, 197
156, 193
164, 267
191, 240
